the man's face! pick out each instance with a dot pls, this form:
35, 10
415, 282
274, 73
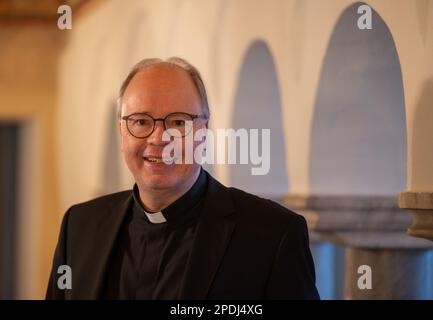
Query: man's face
158, 91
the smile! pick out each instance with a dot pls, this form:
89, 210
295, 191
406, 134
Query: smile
156, 160
159, 160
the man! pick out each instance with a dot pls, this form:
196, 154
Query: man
179, 234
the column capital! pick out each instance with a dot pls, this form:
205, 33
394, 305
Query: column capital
361, 221
420, 206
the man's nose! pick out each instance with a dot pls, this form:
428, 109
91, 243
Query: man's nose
156, 137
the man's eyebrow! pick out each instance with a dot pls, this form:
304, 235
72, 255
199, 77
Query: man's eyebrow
141, 112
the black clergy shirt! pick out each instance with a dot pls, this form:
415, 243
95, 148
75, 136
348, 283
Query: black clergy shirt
152, 249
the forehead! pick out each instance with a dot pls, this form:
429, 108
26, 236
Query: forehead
162, 87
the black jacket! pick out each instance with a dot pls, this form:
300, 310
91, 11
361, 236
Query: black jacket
246, 247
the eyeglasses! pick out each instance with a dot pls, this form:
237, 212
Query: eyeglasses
141, 125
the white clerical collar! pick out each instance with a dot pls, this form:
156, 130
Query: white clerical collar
155, 217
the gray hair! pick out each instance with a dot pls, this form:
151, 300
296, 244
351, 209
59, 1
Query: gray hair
179, 62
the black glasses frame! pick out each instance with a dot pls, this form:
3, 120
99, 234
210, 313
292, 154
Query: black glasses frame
126, 118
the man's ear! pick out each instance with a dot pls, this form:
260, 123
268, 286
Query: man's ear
206, 124
120, 134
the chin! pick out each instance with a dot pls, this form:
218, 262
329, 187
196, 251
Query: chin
156, 181
162, 178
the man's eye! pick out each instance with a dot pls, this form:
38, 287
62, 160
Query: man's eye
140, 122
179, 123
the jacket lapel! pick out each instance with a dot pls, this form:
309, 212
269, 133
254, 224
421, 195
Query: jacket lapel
108, 230
213, 235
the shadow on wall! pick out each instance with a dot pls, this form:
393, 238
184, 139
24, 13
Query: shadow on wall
358, 143
257, 105
112, 159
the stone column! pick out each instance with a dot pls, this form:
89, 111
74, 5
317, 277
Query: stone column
373, 231
396, 273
